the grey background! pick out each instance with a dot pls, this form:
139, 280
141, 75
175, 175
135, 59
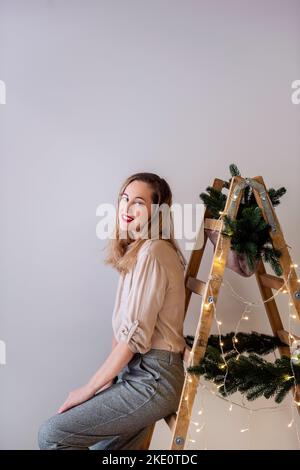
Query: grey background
96, 91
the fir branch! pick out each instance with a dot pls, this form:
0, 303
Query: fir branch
246, 342
234, 171
251, 375
249, 232
276, 194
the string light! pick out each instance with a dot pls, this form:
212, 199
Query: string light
272, 409
196, 423
291, 423
201, 427
293, 377
252, 304
207, 306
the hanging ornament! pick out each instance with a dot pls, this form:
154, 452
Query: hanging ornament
237, 262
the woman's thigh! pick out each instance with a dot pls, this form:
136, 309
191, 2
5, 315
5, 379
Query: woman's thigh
147, 389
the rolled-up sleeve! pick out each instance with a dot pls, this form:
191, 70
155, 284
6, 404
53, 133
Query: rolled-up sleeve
144, 301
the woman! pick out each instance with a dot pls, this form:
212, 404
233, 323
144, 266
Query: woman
141, 380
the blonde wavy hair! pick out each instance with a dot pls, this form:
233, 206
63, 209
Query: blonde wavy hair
122, 252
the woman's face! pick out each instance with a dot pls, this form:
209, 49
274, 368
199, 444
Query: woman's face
134, 208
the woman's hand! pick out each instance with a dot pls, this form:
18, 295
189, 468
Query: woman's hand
77, 396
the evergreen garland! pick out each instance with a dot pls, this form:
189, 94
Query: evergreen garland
249, 374
249, 232
243, 342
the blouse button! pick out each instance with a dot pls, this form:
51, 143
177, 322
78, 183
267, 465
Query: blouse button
124, 330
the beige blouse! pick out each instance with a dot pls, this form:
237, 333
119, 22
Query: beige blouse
149, 306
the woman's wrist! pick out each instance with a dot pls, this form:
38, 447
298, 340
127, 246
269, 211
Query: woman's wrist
92, 387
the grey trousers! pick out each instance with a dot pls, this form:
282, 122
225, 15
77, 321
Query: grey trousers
146, 390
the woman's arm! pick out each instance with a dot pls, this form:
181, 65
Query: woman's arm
118, 358
114, 342
114, 363
109, 384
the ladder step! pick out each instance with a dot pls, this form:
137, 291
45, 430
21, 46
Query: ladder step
274, 282
213, 224
195, 285
286, 338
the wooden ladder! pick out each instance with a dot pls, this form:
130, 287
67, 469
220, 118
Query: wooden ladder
179, 422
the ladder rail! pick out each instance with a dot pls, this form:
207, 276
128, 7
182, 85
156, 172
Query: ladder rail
204, 325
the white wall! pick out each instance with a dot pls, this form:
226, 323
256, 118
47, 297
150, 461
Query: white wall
97, 90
